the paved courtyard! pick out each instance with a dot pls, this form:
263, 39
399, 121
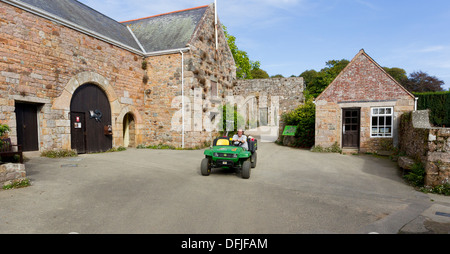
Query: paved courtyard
162, 191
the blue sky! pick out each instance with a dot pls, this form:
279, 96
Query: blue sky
291, 36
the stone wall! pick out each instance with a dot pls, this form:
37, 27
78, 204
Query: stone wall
430, 145
275, 96
42, 62
203, 68
289, 90
11, 172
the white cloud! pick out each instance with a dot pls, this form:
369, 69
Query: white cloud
430, 49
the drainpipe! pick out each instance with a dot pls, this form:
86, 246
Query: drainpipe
415, 103
215, 24
182, 98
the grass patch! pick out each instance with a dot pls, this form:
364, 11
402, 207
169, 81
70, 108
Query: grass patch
443, 189
118, 149
335, 148
169, 147
22, 183
59, 153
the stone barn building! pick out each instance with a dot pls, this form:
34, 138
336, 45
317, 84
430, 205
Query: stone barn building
360, 110
71, 77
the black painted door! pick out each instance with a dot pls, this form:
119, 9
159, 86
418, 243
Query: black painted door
27, 127
93, 102
78, 131
351, 128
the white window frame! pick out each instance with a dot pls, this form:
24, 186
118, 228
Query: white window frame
374, 112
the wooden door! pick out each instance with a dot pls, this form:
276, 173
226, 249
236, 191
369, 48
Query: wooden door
93, 102
78, 131
351, 128
27, 126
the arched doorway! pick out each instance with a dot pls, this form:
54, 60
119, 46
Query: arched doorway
129, 131
90, 116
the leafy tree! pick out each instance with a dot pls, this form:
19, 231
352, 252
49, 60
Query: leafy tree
420, 81
244, 65
259, 74
309, 76
316, 82
397, 73
277, 76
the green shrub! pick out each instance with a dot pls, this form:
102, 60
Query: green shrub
443, 189
439, 105
3, 129
304, 117
417, 175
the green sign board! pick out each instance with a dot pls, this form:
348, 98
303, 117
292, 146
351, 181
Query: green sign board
290, 130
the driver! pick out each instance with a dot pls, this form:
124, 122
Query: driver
242, 138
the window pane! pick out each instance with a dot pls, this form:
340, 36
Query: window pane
355, 114
375, 130
381, 121
354, 127
374, 121
348, 120
388, 131
389, 111
389, 120
348, 114
381, 111
355, 120
375, 111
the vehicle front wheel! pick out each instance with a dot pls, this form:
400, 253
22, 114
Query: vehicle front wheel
206, 167
246, 168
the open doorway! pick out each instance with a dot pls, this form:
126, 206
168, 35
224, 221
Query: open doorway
129, 131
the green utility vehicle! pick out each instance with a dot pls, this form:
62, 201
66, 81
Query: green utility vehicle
230, 155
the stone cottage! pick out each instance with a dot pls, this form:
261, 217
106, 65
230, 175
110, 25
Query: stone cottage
361, 109
71, 77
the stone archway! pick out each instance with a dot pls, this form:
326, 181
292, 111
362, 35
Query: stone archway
62, 103
128, 118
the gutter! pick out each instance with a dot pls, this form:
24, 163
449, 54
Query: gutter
56, 19
167, 52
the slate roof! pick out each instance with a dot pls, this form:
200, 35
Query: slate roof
87, 18
167, 31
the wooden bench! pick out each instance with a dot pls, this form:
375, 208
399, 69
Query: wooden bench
6, 149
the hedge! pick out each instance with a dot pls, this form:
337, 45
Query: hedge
304, 117
439, 105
